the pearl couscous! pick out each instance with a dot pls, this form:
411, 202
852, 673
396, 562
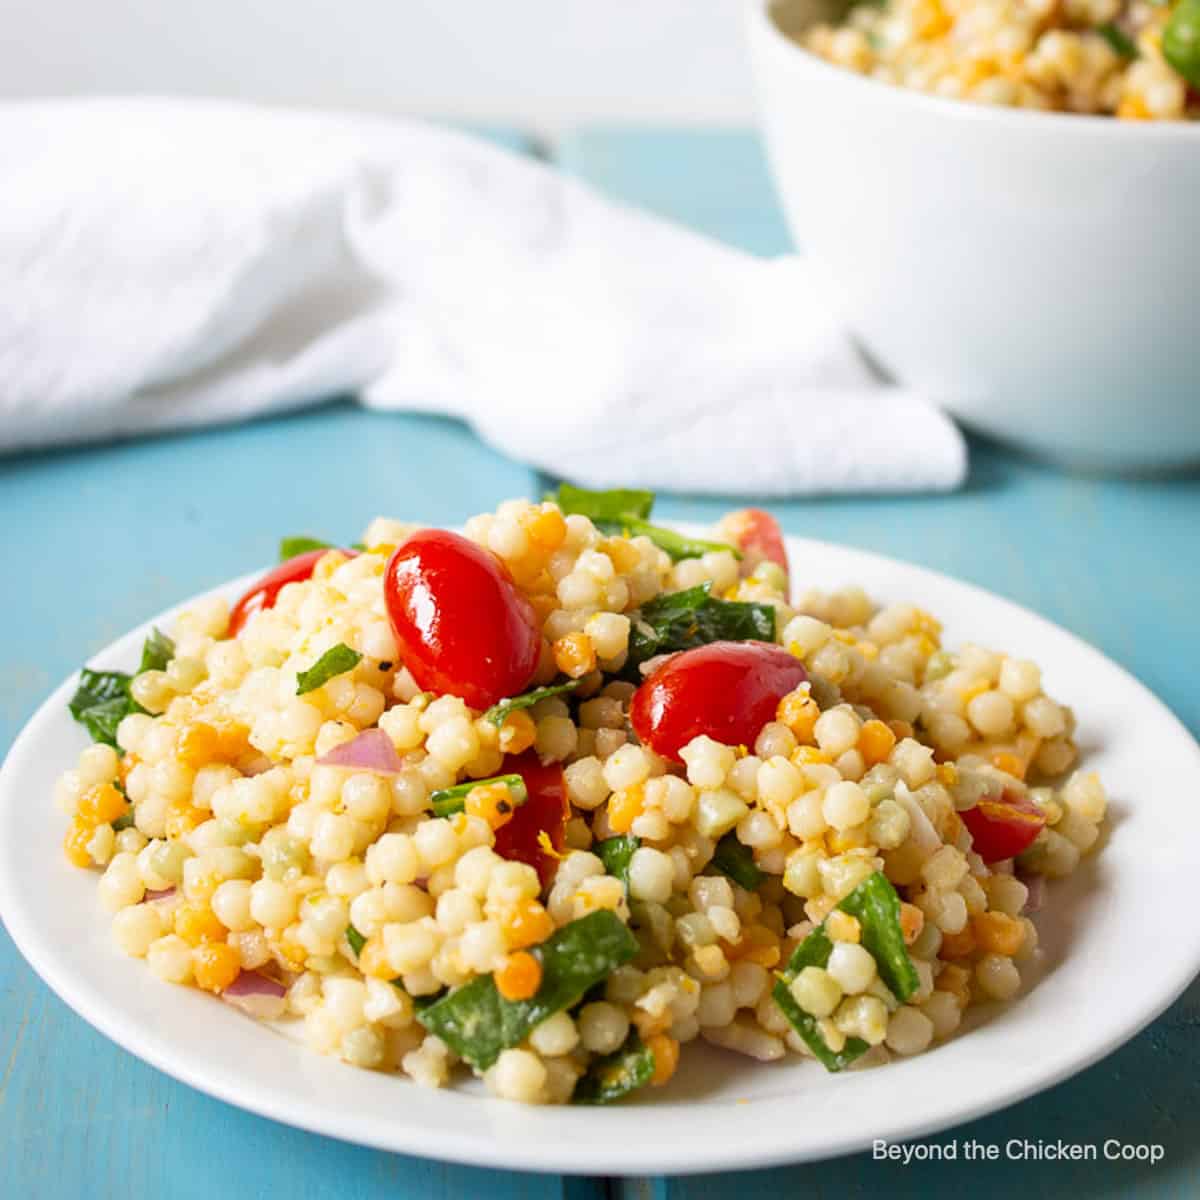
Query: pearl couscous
552, 800
1135, 59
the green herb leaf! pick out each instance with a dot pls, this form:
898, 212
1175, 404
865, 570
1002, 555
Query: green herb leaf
124, 821
677, 545
1181, 40
624, 510
617, 1074
157, 652
814, 951
102, 700
101, 703
603, 506
477, 1023
500, 710
1118, 39
447, 801
875, 903
616, 853
877, 907
736, 862
290, 547
335, 661
356, 939
683, 620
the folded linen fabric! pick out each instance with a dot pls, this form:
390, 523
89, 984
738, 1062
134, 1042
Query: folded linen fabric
166, 264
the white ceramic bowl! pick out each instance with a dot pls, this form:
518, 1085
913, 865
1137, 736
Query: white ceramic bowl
1038, 274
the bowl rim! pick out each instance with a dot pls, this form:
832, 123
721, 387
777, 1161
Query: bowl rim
1035, 122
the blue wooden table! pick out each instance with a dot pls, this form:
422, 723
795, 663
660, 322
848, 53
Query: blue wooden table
94, 541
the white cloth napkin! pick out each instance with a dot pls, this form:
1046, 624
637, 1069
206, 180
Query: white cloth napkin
171, 263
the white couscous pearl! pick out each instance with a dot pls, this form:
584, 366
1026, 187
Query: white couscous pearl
272, 904
836, 731
997, 976
845, 805
121, 884
170, 958
651, 875
517, 1075
851, 966
707, 762
603, 1027
231, 904
136, 928
555, 1036
909, 1031
816, 991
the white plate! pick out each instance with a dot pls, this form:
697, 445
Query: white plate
1105, 972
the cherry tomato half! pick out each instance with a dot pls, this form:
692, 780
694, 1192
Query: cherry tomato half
266, 591
546, 811
727, 690
757, 535
1003, 828
462, 625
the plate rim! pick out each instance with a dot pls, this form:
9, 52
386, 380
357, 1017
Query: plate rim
476, 1149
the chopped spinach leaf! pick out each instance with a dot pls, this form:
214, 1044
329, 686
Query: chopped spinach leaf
124, 821
290, 547
101, 703
616, 853
875, 903
335, 661
677, 545
447, 801
477, 1023
157, 652
356, 939
624, 510
736, 862
617, 1074
603, 506
683, 620
500, 710
1118, 39
102, 700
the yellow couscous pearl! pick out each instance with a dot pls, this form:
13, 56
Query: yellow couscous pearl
75, 843
526, 923
102, 803
519, 977
197, 923
518, 732
492, 802
666, 1058
875, 742
574, 655
215, 966
998, 933
625, 806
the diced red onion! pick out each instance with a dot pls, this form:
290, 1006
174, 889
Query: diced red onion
165, 894
372, 750
257, 995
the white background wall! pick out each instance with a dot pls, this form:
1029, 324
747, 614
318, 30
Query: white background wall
534, 62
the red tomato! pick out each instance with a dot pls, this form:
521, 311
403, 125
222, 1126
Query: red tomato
266, 591
546, 811
462, 625
1003, 828
727, 690
757, 535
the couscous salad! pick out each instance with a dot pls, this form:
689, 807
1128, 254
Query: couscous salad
551, 800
